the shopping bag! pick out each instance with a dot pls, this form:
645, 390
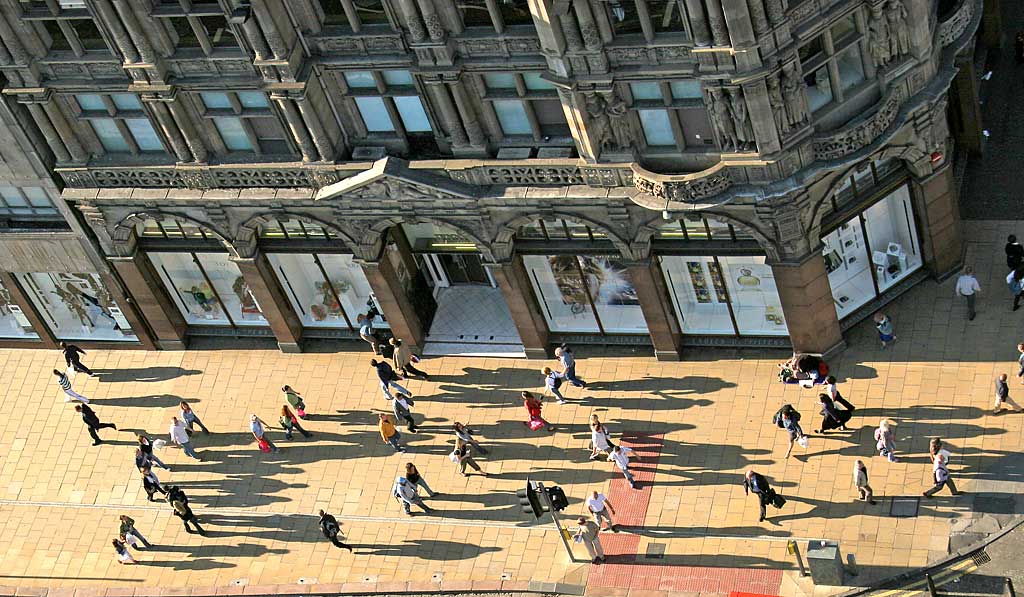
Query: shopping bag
536, 424
158, 444
802, 440
70, 372
301, 413
264, 445
414, 359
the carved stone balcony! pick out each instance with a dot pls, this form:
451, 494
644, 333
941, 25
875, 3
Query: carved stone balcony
956, 23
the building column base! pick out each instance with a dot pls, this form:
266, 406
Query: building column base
938, 208
808, 306
515, 287
289, 347
654, 303
170, 345
273, 303
394, 302
162, 316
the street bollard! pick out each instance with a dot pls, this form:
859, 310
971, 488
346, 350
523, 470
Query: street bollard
1009, 588
794, 549
931, 585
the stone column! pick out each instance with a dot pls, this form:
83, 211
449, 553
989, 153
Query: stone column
138, 36
807, 304
28, 309
762, 117
698, 22
256, 39
432, 20
170, 129
145, 288
653, 295
298, 129
278, 47
273, 302
467, 113
394, 302
49, 133
188, 130
60, 124
967, 119
588, 26
515, 285
117, 30
411, 16
323, 143
129, 309
716, 21
938, 212
443, 103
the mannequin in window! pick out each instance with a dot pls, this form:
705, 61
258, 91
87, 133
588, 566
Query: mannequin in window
74, 302
245, 297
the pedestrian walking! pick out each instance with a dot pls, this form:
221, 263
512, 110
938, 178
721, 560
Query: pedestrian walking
1014, 253
92, 422
566, 357
177, 499
885, 440
388, 379
1003, 396
150, 482
389, 434
127, 529
294, 399
941, 476
367, 333
404, 360
619, 457
123, 555
405, 493
402, 407
832, 389
180, 438
462, 455
65, 385
757, 484
587, 534
967, 286
412, 475
331, 529
258, 429
886, 332
533, 408
191, 419
600, 439
465, 435
936, 447
552, 381
860, 481
148, 456
1020, 363
601, 509
289, 422
788, 418
73, 358
832, 417
1015, 281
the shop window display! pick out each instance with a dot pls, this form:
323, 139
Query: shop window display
328, 291
754, 296
849, 272
895, 252
76, 306
208, 288
13, 323
698, 294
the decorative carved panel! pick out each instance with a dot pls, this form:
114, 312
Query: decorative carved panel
368, 44
687, 191
862, 133
952, 28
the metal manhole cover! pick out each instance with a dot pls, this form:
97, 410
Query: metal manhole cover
655, 551
981, 557
904, 507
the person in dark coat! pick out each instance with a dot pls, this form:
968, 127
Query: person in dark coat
757, 484
179, 501
330, 528
74, 360
92, 422
832, 417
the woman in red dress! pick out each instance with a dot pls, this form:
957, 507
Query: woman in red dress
533, 407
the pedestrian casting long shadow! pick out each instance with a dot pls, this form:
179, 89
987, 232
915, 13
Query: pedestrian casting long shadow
145, 374
669, 532
200, 564
688, 384
719, 561
154, 401
426, 549
250, 550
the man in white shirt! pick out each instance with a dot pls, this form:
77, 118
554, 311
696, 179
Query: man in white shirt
180, 437
620, 458
600, 507
405, 493
967, 286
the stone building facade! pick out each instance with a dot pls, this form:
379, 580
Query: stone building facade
501, 175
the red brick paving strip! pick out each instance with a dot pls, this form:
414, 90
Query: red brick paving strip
624, 572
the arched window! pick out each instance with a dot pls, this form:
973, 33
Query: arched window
559, 229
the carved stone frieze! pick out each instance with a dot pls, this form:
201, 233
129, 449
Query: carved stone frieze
684, 190
952, 28
499, 46
803, 11
646, 55
530, 175
860, 134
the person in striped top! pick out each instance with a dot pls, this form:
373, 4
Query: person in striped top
65, 384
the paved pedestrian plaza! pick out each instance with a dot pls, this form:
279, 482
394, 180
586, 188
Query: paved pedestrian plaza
698, 424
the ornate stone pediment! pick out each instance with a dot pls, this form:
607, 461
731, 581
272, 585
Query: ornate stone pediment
391, 179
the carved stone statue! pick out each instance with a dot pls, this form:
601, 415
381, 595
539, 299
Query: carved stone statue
878, 37
795, 95
609, 125
720, 117
899, 35
741, 119
778, 104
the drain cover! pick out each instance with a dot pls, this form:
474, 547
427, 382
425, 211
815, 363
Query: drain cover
655, 551
904, 507
981, 557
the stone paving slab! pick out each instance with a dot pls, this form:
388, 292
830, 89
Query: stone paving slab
60, 497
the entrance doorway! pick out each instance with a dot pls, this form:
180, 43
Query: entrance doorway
472, 316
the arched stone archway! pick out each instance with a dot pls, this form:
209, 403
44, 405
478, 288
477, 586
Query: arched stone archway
371, 243
124, 233
649, 228
247, 238
503, 242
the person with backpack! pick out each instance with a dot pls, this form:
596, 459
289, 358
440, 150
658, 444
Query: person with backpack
179, 501
757, 484
552, 381
788, 418
330, 528
941, 475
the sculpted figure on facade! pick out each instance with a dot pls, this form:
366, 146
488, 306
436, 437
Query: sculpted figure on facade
778, 104
878, 37
899, 35
609, 126
797, 109
741, 119
720, 116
